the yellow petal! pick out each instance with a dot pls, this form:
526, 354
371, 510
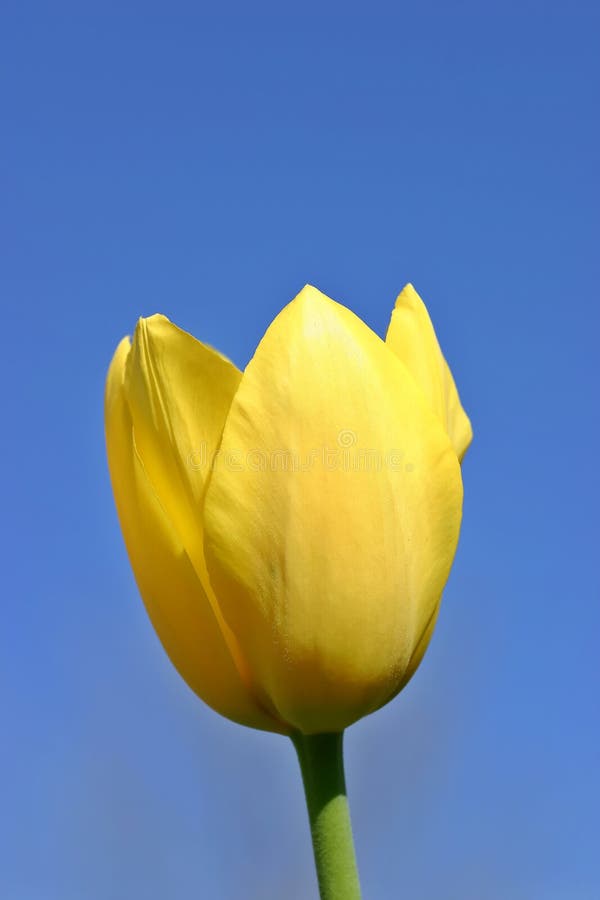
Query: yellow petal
332, 518
178, 392
412, 338
173, 595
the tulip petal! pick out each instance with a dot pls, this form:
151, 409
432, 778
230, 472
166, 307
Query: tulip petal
173, 595
412, 338
331, 538
178, 391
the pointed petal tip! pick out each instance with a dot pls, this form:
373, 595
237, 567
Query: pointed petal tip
310, 294
408, 296
154, 318
124, 344
120, 355
144, 323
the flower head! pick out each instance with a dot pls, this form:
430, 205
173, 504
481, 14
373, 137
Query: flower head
292, 527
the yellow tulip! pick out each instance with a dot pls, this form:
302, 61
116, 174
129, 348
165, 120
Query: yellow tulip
291, 528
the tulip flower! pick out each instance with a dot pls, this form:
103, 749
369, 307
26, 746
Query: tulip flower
291, 528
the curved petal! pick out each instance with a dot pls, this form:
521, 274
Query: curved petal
330, 539
173, 595
412, 338
178, 392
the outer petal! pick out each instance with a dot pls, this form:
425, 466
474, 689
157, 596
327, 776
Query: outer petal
332, 518
178, 391
174, 597
412, 338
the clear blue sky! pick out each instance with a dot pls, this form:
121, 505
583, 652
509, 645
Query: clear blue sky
158, 157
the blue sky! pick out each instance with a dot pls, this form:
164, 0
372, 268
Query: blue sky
163, 157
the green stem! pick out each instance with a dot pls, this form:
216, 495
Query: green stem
322, 765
